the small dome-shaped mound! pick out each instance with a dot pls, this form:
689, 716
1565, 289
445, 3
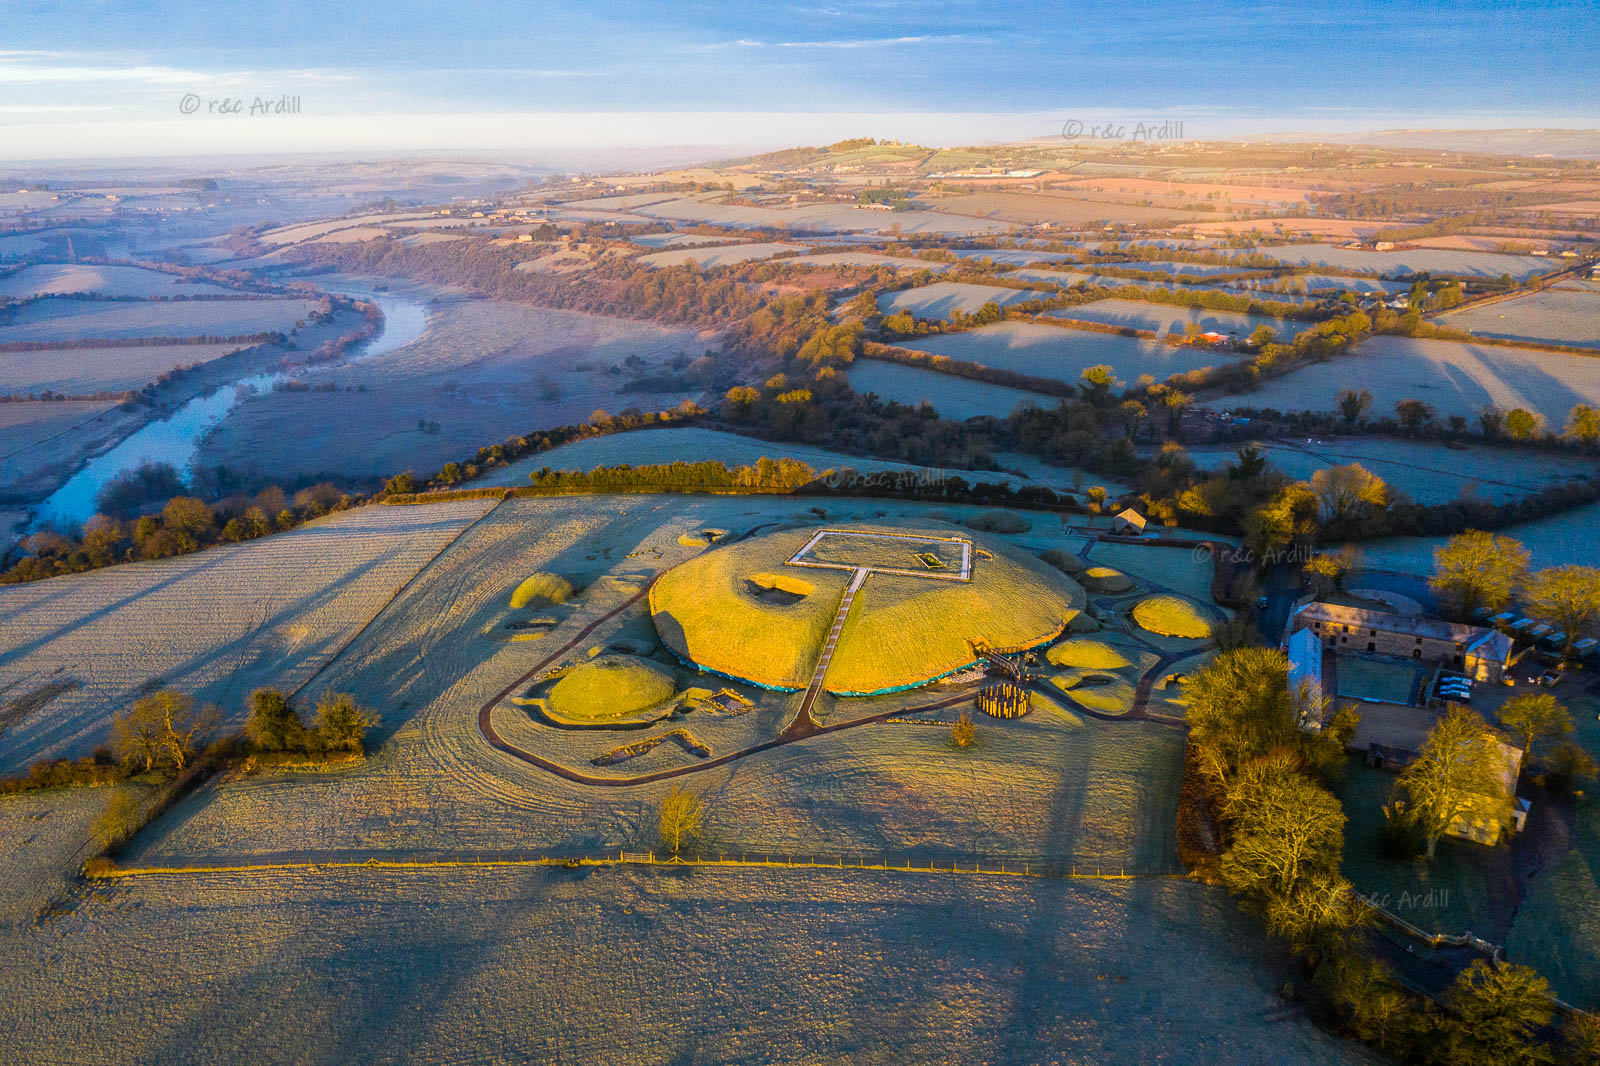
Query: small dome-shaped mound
610, 690
540, 590
1105, 579
1171, 616
1088, 654
699, 538
1064, 561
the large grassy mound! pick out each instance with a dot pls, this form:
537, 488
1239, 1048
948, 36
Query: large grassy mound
610, 690
1171, 616
738, 610
1089, 654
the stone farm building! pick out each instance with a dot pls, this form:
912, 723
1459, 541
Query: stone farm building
1482, 654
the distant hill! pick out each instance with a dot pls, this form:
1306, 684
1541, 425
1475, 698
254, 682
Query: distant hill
1562, 144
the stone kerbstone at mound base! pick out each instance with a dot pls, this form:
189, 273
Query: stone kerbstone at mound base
611, 690
1105, 579
739, 611
1171, 616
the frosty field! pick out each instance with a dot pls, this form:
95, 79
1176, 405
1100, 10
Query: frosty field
106, 280
216, 624
79, 371
1411, 261
953, 397
1566, 539
1064, 353
1430, 473
943, 298
1163, 319
724, 255
65, 319
1452, 377
872, 262
707, 962
1555, 316
484, 371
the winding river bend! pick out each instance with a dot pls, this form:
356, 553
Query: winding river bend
175, 438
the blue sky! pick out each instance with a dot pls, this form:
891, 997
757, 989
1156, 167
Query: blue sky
410, 73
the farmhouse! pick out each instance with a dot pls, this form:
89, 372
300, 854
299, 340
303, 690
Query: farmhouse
1129, 523
1482, 654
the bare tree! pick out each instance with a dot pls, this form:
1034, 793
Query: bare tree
161, 730
681, 814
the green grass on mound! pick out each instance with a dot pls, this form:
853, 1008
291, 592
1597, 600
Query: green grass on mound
542, 589
1090, 654
1171, 616
611, 690
1105, 579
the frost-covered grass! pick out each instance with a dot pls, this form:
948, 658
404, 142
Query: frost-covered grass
1179, 569
687, 444
1454, 378
44, 838
953, 397
1064, 353
81, 371
943, 298
645, 966
1555, 316
215, 624
1412, 261
871, 261
1163, 319
1566, 539
1427, 471
106, 280
722, 255
66, 319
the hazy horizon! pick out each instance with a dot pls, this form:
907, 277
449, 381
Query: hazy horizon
149, 83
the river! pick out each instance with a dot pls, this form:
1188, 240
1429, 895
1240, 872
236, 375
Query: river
175, 438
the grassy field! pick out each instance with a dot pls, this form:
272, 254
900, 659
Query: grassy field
1557, 928
106, 280
894, 968
1450, 376
953, 397
1163, 319
65, 319
1428, 472
688, 444
44, 837
41, 443
484, 371
216, 624
79, 371
723, 255
1058, 352
1412, 261
1553, 316
1566, 539
872, 261
814, 218
943, 298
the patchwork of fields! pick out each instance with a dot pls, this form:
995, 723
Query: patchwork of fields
1555, 316
67, 319
944, 298
1064, 353
84, 371
720, 255
106, 280
1452, 377
952, 397
1412, 261
1163, 319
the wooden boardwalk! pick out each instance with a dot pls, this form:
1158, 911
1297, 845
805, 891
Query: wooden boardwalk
803, 721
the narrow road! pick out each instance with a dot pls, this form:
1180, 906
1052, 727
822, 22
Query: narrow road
804, 725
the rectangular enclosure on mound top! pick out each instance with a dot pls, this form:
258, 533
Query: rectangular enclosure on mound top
906, 554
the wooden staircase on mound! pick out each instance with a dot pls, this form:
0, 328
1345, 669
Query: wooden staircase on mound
803, 720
